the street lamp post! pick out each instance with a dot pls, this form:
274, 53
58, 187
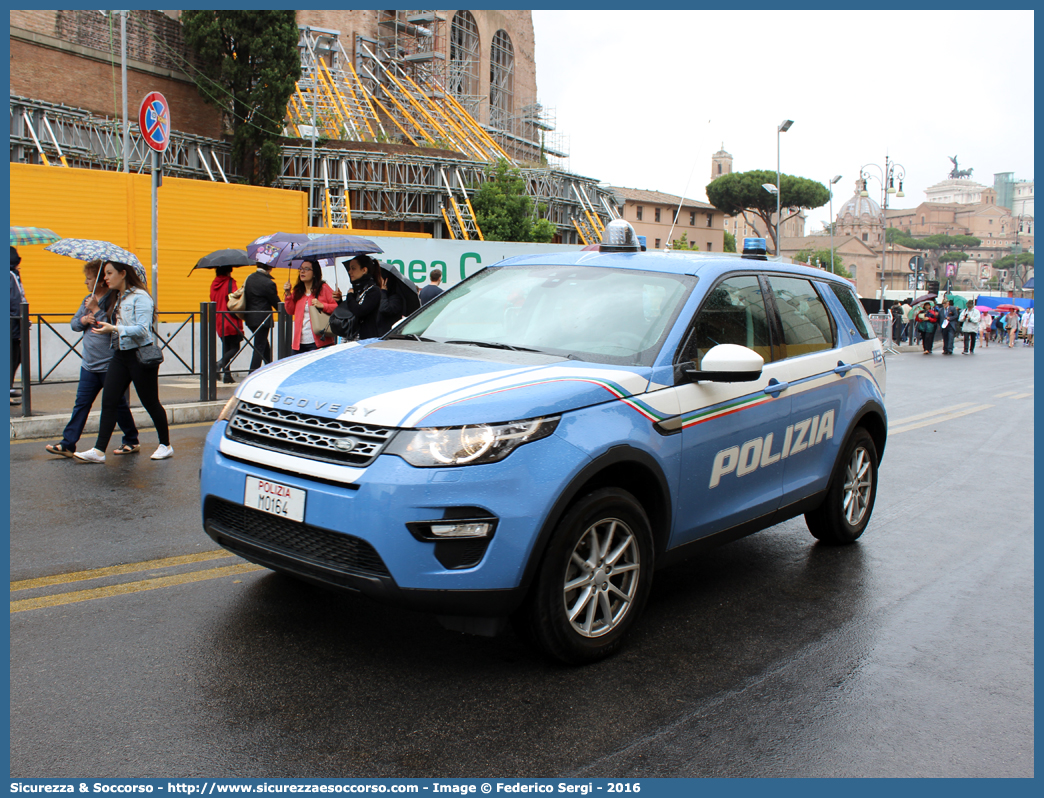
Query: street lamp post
784, 126
830, 188
891, 172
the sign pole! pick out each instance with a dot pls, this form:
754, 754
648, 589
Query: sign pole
155, 228
154, 124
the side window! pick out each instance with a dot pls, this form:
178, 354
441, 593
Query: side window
854, 310
733, 313
806, 321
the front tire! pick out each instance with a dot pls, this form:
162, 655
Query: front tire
594, 579
849, 502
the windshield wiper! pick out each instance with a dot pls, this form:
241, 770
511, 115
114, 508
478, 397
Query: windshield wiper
491, 345
407, 337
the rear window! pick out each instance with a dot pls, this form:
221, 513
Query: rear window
855, 310
806, 322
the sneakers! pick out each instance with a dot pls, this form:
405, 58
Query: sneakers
90, 456
163, 452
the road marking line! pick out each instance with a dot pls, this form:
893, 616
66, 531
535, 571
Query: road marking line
1002, 395
116, 570
1021, 395
936, 412
949, 417
131, 587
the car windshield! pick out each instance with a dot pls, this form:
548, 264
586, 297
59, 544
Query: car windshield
616, 316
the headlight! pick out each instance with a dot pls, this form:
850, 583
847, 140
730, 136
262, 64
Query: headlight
228, 409
473, 444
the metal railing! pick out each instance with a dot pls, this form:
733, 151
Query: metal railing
882, 324
188, 339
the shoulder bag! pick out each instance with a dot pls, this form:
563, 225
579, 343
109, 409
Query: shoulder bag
237, 301
320, 322
149, 355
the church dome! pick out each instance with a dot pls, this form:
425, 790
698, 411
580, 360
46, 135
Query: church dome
860, 207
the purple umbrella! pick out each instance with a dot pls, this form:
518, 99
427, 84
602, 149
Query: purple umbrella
277, 249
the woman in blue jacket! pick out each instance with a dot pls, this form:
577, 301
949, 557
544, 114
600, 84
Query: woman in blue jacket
130, 329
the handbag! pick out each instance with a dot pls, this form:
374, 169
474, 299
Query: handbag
344, 324
149, 355
237, 301
320, 322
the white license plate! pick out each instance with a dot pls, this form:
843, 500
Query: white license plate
275, 498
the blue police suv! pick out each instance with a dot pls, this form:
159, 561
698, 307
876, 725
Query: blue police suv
532, 445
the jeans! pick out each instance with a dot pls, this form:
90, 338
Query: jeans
91, 383
124, 369
969, 337
262, 344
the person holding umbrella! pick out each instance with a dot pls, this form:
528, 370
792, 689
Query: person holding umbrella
96, 307
985, 327
1011, 324
926, 317
363, 297
261, 299
130, 330
229, 326
310, 291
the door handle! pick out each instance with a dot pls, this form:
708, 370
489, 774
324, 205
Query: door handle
775, 386
842, 368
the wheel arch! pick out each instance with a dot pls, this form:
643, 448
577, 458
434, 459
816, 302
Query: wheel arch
873, 418
623, 467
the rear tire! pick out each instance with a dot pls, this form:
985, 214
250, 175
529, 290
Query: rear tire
849, 502
594, 579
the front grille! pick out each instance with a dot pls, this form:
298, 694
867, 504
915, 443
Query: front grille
333, 550
314, 437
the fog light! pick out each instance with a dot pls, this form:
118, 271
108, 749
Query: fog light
461, 530
473, 526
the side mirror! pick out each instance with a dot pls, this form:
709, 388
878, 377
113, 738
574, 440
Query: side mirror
727, 363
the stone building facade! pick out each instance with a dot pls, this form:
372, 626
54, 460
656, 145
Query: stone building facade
73, 58
653, 213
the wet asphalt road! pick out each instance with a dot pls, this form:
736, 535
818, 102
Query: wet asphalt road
907, 654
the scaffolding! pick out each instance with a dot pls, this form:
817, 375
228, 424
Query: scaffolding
462, 74
347, 187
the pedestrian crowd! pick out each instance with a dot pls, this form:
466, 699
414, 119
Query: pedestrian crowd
928, 321
117, 318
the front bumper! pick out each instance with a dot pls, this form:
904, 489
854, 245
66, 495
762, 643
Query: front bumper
355, 536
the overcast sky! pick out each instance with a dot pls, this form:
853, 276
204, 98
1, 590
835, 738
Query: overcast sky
646, 97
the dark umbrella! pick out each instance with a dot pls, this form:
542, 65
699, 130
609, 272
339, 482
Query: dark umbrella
223, 257
337, 246
924, 298
402, 286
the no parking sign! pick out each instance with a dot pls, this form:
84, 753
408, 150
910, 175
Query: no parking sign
154, 121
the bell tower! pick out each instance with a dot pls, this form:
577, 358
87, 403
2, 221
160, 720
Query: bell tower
721, 163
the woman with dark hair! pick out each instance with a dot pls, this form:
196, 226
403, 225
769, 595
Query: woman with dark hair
309, 292
130, 329
364, 296
229, 325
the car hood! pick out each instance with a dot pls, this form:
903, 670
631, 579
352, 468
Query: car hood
417, 384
